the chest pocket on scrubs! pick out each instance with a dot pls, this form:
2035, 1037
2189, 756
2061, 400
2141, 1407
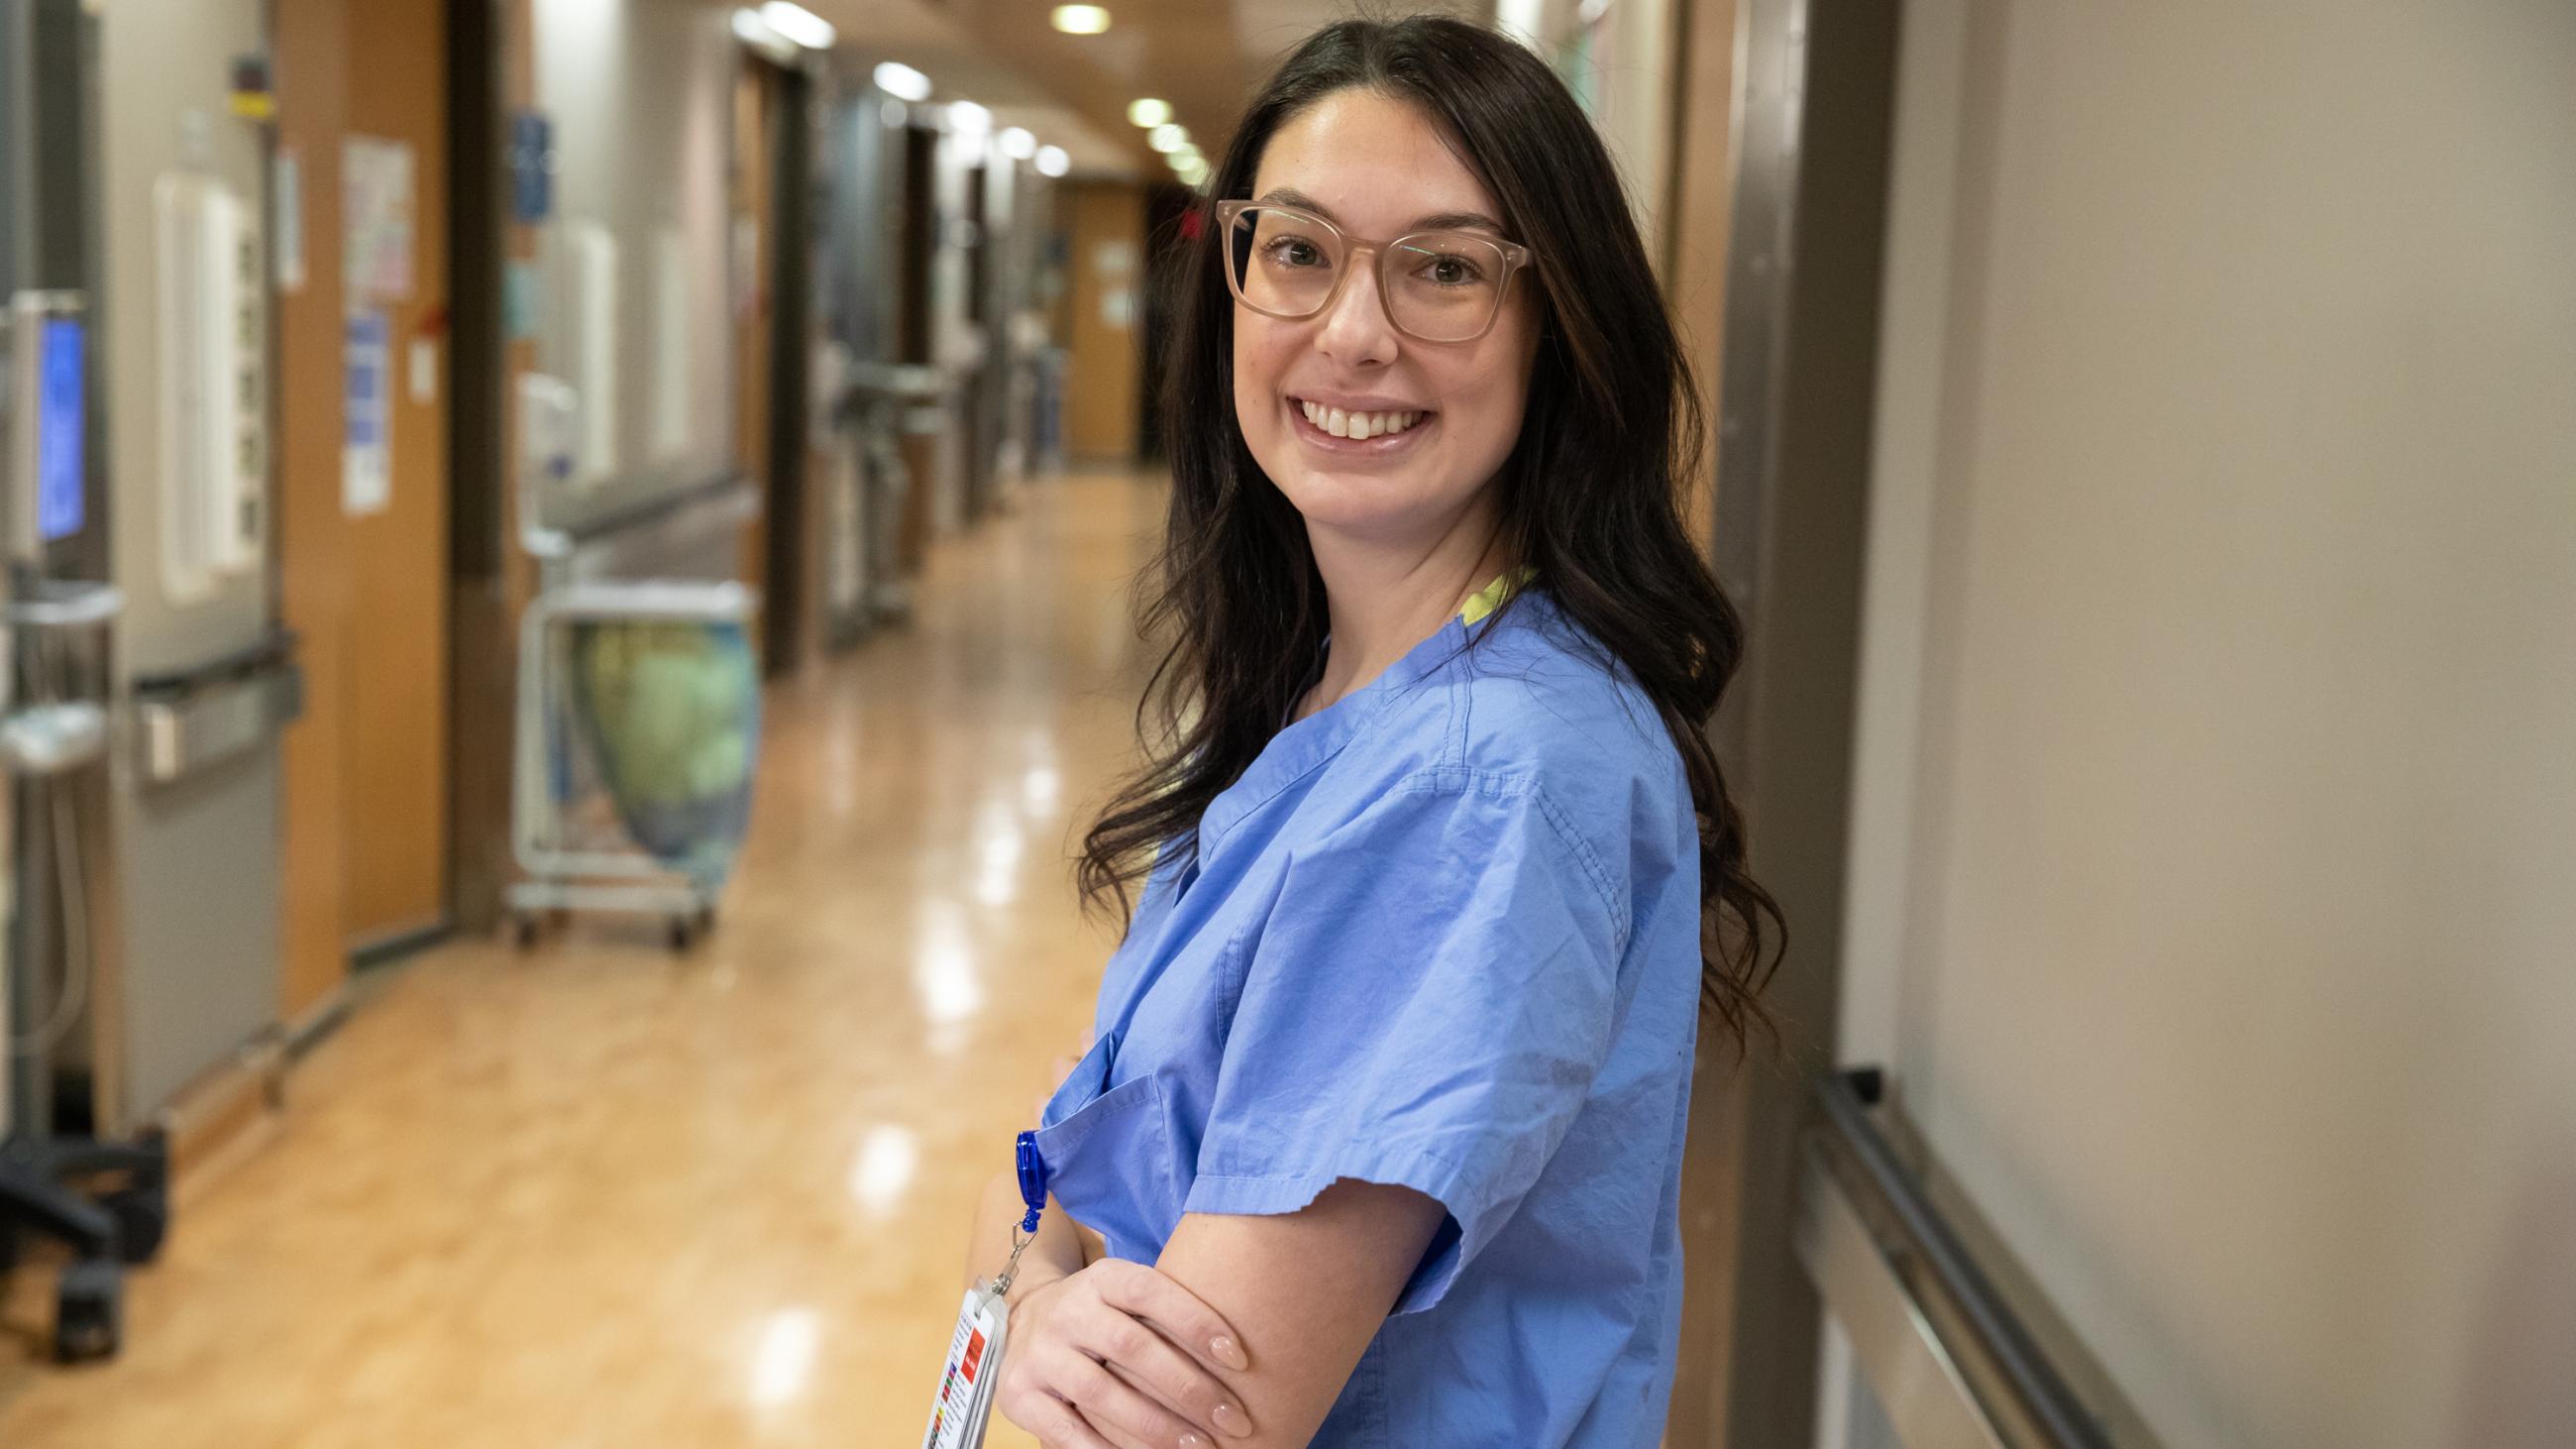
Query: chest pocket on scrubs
1108, 1156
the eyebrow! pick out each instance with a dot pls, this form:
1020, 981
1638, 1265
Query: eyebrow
1436, 221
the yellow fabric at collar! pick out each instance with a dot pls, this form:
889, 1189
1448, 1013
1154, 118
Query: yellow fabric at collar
1486, 600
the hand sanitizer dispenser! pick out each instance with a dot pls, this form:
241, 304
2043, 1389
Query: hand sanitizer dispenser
551, 442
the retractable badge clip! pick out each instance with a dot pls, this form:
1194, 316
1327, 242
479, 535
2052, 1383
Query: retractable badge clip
1033, 1192
965, 1402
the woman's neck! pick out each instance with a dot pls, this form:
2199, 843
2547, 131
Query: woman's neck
1383, 601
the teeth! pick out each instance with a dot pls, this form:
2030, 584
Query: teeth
1342, 424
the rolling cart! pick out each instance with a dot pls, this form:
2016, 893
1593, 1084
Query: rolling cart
637, 734
638, 731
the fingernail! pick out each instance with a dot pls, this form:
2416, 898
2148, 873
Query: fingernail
1229, 1353
1231, 1420
1193, 1441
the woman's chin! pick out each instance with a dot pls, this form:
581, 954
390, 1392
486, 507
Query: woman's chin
1359, 503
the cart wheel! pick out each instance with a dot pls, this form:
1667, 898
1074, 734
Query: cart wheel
89, 1311
684, 933
523, 930
142, 1222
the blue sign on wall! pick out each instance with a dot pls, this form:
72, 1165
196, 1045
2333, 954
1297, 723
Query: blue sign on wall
532, 167
62, 423
367, 416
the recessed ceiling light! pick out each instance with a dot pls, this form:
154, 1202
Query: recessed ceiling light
1016, 141
1168, 137
1080, 19
799, 24
1052, 161
969, 119
1149, 112
901, 81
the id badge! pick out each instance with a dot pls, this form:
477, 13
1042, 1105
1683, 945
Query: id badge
965, 1402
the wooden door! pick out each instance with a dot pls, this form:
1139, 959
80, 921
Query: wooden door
1107, 220
394, 748
313, 554
363, 572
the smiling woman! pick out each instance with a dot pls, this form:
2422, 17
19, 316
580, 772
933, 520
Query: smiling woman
1378, 1139
1438, 283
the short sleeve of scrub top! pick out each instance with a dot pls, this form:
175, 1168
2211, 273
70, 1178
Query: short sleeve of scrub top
1442, 935
1426, 1005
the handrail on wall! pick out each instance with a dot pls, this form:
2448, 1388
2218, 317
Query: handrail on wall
1871, 1237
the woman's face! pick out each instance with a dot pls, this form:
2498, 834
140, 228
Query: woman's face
1378, 168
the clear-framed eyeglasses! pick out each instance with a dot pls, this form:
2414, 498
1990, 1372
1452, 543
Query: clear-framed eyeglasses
1437, 286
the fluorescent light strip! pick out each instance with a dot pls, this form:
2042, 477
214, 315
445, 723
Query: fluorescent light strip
901, 81
1080, 19
799, 24
756, 33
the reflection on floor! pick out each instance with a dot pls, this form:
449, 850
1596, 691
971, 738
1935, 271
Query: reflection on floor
597, 1196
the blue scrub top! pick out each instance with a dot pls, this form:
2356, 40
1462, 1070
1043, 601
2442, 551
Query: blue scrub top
1443, 934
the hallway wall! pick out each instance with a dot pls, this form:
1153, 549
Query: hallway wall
641, 96
2212, 886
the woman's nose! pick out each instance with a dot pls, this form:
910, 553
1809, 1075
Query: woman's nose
1356, 328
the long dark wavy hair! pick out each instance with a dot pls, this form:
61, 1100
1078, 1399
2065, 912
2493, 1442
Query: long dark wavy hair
1591, 494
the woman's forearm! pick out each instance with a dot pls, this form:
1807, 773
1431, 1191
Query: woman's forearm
1057, 1252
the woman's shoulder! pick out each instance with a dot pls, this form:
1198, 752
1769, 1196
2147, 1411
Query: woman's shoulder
1536, 701
1541, 693
1533, 730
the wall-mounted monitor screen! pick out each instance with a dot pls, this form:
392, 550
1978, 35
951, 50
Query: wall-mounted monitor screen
62, 422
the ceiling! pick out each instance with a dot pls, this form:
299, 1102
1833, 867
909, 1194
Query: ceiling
1204, 56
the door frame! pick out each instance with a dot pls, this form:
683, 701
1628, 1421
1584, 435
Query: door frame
1813, 112
792, 630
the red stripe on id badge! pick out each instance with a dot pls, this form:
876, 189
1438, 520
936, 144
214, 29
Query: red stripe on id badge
965, 1400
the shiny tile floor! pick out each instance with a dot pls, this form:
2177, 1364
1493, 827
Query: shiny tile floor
596, 1195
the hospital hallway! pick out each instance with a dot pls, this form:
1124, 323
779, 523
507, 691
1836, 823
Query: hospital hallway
567, 588
599, 1194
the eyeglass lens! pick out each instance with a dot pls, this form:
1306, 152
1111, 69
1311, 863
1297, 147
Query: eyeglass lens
1439, 286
